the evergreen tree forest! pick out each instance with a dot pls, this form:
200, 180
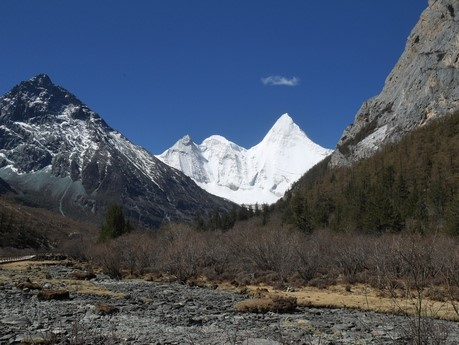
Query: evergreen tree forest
409, 186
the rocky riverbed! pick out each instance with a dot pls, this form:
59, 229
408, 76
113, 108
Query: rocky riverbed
106, 311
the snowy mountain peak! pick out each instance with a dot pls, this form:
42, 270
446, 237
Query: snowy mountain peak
40, 84
284, 124
186, 140
38, 99
41, 80
284, 131
260, 174
218, 140
61, 155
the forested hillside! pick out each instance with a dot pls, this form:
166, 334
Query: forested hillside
32, 229
408, 186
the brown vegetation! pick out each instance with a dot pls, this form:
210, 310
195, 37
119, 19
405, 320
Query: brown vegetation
388, 272
25, 229
50, 294
275, 304
106, 309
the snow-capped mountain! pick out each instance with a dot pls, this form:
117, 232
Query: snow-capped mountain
57, 153
260, 174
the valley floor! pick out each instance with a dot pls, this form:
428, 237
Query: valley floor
106, 311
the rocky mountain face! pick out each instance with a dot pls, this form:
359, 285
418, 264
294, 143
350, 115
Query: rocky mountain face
57, 153
423, 85
260, 174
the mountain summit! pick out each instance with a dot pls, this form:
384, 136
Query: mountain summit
422, 86
260, 174
59, 154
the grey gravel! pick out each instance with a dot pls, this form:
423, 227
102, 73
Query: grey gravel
172, 313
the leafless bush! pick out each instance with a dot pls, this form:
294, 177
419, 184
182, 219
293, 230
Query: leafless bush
139, 251
276, 304
451, 276
267, 249
415, 268
132, 254
183, 252
352, 257
311, 260
109, 259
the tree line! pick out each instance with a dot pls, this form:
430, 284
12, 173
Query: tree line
408, 186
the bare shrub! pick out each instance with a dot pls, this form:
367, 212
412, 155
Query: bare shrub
109, 259
275, 304
312, 254
383, 264
352, 256
451, 277
183, 252
416, 268
133, 254
216, 256
139, 252
266, 250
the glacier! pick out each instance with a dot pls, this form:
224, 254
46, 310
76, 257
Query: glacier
258, 175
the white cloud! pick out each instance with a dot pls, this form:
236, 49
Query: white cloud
279, 80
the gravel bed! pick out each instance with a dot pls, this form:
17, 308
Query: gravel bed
172, 313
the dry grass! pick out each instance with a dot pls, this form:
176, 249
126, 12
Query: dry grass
28, 265
36, 272
276, 304
360, 297
355, 296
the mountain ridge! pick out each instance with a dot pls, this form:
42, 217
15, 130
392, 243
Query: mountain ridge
58, 153
260, 174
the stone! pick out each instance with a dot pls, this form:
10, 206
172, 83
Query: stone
206, 316
105, 309
27, 284
83, 275
257, 341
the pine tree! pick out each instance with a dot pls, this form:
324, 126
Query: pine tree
301, 214
114, 225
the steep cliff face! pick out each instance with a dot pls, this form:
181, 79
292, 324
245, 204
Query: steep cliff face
423, 85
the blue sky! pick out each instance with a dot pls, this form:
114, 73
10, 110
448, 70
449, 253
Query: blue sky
157, 70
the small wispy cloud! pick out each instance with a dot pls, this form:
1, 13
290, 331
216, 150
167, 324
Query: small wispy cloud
277, 80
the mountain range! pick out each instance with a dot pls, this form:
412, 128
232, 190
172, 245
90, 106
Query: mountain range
260, 174
58, 154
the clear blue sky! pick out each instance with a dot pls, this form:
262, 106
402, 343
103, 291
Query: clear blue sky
156, 70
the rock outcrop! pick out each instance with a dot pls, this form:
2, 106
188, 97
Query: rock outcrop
423, 85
